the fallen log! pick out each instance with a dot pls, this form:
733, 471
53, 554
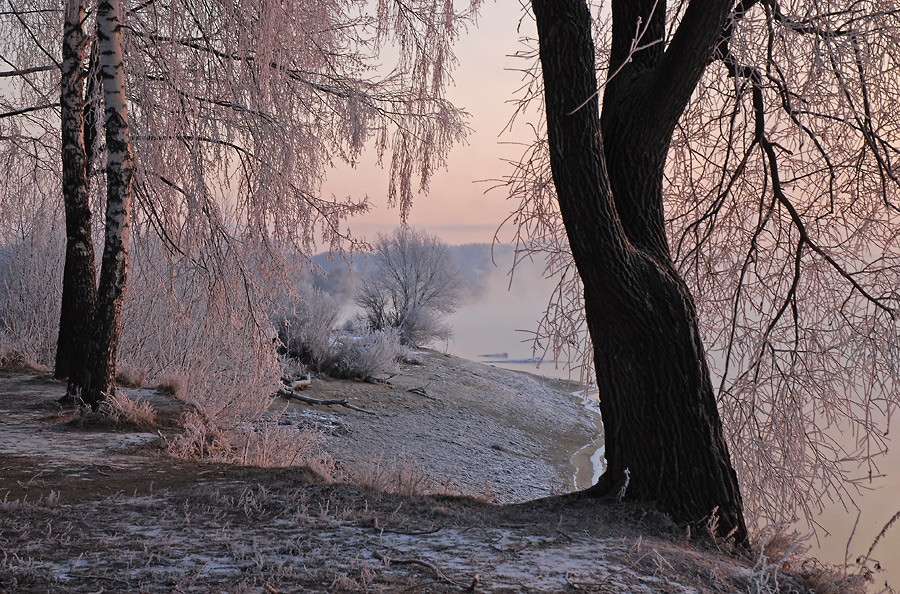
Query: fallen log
323, 402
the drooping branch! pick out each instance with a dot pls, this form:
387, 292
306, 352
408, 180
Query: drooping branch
24, 110
755, 78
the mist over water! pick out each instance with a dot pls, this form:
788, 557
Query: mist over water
499, 314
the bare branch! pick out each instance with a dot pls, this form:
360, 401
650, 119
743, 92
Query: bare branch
24, 110
24, 71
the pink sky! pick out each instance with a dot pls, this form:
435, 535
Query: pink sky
457, 209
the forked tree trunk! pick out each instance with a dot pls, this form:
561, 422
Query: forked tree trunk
79, 293
101, 370
664, 441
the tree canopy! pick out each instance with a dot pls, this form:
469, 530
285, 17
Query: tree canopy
779, 209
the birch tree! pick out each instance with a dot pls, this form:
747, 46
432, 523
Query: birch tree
79, 292
100, 374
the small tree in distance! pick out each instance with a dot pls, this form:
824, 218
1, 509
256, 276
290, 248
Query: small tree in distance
413, 284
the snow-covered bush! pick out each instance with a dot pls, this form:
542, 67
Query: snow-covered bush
306, 323
365, 353
305, 326
412, 284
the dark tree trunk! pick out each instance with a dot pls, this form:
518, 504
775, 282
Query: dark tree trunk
664, 441
79, 277
101, 369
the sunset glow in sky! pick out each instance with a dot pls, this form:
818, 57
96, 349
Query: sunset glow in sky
457, 208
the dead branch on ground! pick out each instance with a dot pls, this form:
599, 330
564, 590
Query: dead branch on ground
431, 566
322, 402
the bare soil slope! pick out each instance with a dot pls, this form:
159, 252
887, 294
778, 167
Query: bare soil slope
470, 428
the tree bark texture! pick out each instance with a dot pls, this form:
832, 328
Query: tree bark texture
101, 370
664, 441
79, 277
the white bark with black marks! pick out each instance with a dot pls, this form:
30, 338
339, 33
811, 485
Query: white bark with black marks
119, 172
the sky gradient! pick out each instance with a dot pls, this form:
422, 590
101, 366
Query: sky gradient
459, 208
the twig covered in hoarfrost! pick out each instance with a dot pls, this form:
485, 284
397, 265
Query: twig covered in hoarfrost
764, 575
430, 566
881, 533
624, 488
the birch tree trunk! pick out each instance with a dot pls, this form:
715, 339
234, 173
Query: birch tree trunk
663, 434
79, 277
101, 370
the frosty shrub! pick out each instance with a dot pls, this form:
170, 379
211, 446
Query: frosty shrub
305, 326
201, 329
412, 284
30, 278
186, 325
32, 231
366, 353
306, 323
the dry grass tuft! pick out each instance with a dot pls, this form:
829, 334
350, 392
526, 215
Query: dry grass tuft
774, 550
270, 445
779, 544
822, 578
779, 562
173, 384
8, 505
201, 439
14, 358
265, 445
123, 410
400, 478
130, 376
358, 578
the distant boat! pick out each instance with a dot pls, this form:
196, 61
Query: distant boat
495, 356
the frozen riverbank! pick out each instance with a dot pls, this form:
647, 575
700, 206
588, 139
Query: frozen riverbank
473, 428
